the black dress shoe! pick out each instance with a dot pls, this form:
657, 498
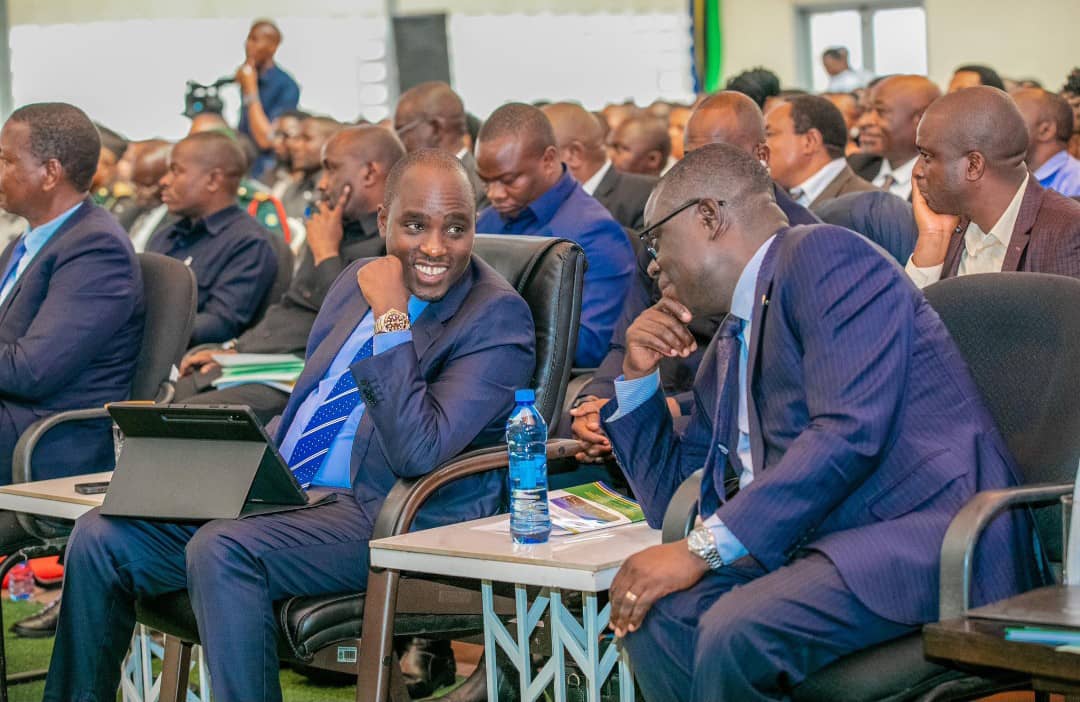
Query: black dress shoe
41, 625
426, 665
474, 689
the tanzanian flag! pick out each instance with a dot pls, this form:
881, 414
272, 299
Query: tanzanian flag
705, 18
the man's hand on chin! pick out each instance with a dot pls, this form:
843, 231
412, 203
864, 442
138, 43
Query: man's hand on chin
383, 284
647, 576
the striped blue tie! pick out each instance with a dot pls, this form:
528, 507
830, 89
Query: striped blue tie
324, 425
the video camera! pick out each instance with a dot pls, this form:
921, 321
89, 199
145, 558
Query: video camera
201, 98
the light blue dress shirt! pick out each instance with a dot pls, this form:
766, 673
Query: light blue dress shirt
334, 471
1061, 172
35, 240
631, 394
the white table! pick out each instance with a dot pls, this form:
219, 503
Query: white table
585, 563
57, 498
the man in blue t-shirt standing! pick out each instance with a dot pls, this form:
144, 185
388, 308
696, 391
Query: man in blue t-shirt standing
267, 90
531, 192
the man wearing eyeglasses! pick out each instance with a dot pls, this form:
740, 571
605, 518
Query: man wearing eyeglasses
839, 431
432, 116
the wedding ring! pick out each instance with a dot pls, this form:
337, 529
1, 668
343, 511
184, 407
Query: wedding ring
631, 597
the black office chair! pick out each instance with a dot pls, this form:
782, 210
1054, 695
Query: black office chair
318, 631
169, 292
282, 280
1018, 334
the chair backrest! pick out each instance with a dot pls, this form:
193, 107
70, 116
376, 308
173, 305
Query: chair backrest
1020, 336
549, 273
171, 299
283, 279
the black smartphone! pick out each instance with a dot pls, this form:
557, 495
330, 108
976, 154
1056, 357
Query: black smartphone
92, 488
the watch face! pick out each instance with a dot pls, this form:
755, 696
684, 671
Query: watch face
696, 541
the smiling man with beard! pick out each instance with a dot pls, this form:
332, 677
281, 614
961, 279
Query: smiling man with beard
414, 358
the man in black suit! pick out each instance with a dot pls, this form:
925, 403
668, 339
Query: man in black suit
432, 116
580, 139
355, 164
887, 132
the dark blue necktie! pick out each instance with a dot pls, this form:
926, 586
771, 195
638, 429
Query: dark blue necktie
726, 421
323, 427
13, 263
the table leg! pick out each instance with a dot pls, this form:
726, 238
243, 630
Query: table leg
582, 642
496, 636
558, 653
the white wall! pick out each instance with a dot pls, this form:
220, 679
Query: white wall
1019, 38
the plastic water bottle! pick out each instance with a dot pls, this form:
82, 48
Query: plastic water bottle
21, 582
526, 438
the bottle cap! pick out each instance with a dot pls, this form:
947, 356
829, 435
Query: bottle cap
525, 395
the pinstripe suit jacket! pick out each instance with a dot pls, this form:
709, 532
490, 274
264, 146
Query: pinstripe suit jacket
1046, 238
867, 431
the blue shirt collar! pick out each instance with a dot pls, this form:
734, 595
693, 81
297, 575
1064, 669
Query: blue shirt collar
1052, 165
742, 301
545, 206
416, 308
36, 238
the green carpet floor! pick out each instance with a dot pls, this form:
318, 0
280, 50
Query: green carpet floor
33, 654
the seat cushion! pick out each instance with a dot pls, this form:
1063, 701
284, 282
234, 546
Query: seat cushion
308, 624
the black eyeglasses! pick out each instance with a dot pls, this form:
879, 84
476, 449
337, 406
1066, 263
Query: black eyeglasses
651, 241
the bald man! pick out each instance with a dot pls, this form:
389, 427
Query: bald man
532, 192
432, 116
579, 137
977, 207
727, 117
227, 250
828, 476
1049, 120
151, 165
887, 132
641, 145
356, 161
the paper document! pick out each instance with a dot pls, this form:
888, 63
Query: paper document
583, 508
275, 370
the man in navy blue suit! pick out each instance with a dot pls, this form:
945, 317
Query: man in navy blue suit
839, 431
71, 295
414, 358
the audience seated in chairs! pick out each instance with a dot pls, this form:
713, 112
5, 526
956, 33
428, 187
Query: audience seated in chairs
305, 155
148, 169
1049, 121
229, 252
820, 537
531, 192
71, 292
432, 342
977, 206
356, 162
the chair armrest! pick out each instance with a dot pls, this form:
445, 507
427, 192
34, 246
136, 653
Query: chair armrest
958, 548
21, 471
408, 495
682, 510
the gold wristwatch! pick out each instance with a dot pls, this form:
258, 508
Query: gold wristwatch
392, 321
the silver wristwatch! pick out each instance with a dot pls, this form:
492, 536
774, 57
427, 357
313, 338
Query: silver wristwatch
702, 544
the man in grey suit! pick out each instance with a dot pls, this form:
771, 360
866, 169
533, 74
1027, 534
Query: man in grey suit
806, 136
580, 139
432, 116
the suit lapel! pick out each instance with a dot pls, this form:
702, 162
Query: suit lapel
607, 184
761, 306
74, 219
951, 266
1025, 222
834, 187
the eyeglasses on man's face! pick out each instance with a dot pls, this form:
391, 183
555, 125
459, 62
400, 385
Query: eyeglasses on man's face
650, 236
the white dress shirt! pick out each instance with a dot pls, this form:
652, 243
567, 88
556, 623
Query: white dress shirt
593, 183
901, 186
145, 225
984, 252
806, 192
